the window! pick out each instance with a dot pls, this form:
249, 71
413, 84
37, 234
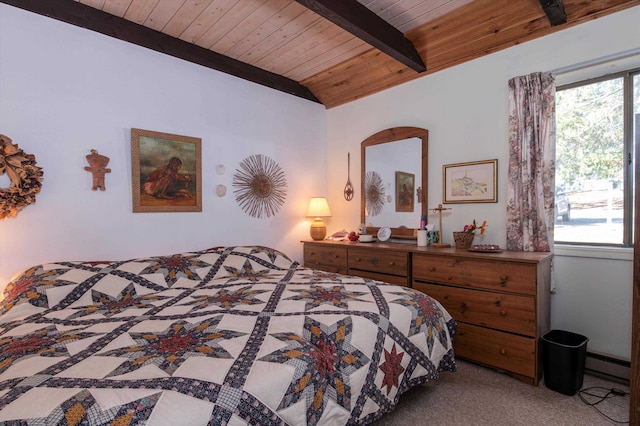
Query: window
594, 160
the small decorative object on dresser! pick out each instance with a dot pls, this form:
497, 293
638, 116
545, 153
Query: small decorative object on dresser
422, 237
384, 233
366, 238
463, 240
317, 209
439, 210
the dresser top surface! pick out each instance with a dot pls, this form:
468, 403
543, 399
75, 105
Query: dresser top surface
505, 255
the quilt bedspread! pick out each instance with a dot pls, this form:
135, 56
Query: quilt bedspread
230, 335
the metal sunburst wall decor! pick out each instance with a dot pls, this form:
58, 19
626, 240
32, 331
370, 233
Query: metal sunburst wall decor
260, 186
373, 193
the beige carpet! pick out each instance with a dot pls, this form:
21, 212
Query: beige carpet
476, 395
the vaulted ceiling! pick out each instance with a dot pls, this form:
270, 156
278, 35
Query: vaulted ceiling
327, 51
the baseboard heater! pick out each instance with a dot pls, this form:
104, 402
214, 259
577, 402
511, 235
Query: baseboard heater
610, 367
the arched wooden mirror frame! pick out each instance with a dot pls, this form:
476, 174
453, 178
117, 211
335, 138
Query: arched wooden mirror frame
392, 135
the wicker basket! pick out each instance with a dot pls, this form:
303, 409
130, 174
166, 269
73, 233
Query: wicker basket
463, 240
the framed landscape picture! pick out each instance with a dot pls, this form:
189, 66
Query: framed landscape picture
166, 172
405, 184
473, 182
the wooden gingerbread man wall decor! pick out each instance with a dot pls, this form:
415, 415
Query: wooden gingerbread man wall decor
98, 169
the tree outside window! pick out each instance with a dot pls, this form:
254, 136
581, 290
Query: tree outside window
594, 191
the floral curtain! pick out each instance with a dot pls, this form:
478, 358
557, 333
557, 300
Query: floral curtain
531, 184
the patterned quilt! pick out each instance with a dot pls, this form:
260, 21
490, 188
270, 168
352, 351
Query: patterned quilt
225, 336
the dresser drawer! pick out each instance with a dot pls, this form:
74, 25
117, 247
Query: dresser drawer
393, 279
505, 351
328, 258
382, 261
508, 312
487, 274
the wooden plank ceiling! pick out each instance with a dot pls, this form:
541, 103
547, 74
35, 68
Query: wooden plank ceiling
288, 45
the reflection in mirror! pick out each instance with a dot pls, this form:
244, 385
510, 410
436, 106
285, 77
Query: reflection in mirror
394, 180
387, 201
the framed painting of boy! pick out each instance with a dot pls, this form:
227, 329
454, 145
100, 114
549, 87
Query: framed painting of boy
166, 172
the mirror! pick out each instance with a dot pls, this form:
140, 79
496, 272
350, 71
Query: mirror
394, 180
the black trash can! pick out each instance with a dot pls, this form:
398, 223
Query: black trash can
563, 357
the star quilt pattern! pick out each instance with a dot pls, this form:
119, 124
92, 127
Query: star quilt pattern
224, 336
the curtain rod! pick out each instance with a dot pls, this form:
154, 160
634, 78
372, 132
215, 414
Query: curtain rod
597, 61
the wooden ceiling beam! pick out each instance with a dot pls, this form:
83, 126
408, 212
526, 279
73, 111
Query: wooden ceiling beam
554, 9
355, 18
78, 14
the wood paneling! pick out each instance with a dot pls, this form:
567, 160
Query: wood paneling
285, 38
356, 19
466, 33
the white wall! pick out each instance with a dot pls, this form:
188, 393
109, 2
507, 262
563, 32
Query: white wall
465, 109
65, 90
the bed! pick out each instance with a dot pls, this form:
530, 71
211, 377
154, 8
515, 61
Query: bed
223, 336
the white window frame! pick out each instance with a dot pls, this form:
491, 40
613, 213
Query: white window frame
626, 67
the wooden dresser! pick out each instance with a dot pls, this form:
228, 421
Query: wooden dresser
384, 262
500, 300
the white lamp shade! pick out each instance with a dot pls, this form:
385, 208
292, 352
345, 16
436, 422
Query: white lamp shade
318, 207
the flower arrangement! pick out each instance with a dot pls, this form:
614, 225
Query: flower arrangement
473, 226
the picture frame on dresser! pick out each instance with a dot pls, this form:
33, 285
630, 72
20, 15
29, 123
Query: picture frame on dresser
471, 182
166, 172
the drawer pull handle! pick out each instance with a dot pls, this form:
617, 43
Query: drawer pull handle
335, 256
503, 280
503, 351
463, 307
358, 259
503, 313
392, 263
432, 268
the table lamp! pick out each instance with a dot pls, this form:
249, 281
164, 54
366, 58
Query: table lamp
318, 208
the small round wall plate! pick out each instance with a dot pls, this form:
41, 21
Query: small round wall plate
220, 169
384, 233
221, 190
